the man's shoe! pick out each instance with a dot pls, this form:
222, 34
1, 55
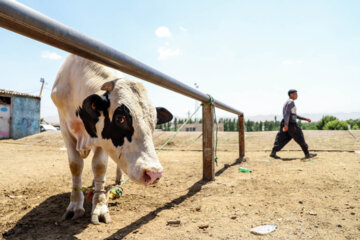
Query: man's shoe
273, 155
310, 155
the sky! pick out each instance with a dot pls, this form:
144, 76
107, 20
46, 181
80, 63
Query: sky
246, 54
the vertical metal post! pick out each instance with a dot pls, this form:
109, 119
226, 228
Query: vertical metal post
241, 129
42, 80
208, 142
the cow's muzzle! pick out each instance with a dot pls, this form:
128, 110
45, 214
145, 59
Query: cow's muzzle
151, 177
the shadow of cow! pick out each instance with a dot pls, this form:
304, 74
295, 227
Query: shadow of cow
44, 221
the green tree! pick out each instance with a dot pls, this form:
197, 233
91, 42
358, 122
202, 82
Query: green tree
353, 123
226, 125
249, 126
236, 123
309, 126
257, 126
269, 126
336, 125
231, 125
260, 126
175, 124
324, 120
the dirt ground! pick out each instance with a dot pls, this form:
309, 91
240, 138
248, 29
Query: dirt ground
313, 199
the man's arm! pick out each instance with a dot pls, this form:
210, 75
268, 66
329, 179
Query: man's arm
287, 114
302, 118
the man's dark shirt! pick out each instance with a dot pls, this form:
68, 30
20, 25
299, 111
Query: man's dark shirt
289, 113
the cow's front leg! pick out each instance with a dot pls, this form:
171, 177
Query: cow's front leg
75, 208
100, 209
119, 176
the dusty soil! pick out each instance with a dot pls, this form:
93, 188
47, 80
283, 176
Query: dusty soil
317, 199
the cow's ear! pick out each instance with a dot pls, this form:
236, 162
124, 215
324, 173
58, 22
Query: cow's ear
95, 103
163, 115
109, 86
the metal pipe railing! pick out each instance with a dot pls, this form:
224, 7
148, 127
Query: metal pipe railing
19, 18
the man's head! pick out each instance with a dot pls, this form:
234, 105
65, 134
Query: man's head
292, 94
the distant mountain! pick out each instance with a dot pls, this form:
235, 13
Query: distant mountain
313, 116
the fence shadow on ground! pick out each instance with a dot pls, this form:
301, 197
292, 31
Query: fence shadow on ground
194, 189
226, 166
44, 221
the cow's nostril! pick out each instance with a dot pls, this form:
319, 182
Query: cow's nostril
151, 177
147, 177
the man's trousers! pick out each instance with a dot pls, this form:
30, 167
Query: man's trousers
294, 132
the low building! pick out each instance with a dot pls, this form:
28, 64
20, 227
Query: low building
197, 127
19, 114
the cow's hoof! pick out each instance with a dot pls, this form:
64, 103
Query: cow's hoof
70, 214
118, 181
95, 218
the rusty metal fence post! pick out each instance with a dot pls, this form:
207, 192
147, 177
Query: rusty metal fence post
241, 129
208, 142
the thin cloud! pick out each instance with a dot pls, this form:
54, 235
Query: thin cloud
50, 55
183, 29
166, 52
287, 62
163, 32
290, 62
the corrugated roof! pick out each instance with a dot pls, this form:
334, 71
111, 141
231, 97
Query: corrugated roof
13, 93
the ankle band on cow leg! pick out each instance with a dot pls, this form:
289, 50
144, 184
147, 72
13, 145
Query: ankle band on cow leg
99, 185
76, 183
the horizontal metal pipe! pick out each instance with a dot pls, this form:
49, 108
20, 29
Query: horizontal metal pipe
21, 19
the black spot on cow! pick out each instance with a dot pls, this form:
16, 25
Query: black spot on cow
116, 129
90, 111
120, 127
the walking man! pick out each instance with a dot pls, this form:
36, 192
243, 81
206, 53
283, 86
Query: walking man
289, 128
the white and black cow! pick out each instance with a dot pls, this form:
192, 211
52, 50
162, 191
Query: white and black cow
101, 111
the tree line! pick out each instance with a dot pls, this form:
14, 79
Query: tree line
176, 123
231, 124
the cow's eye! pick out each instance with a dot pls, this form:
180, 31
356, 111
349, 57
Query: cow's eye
120, 120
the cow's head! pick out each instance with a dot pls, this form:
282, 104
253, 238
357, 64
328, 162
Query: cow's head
123, 120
